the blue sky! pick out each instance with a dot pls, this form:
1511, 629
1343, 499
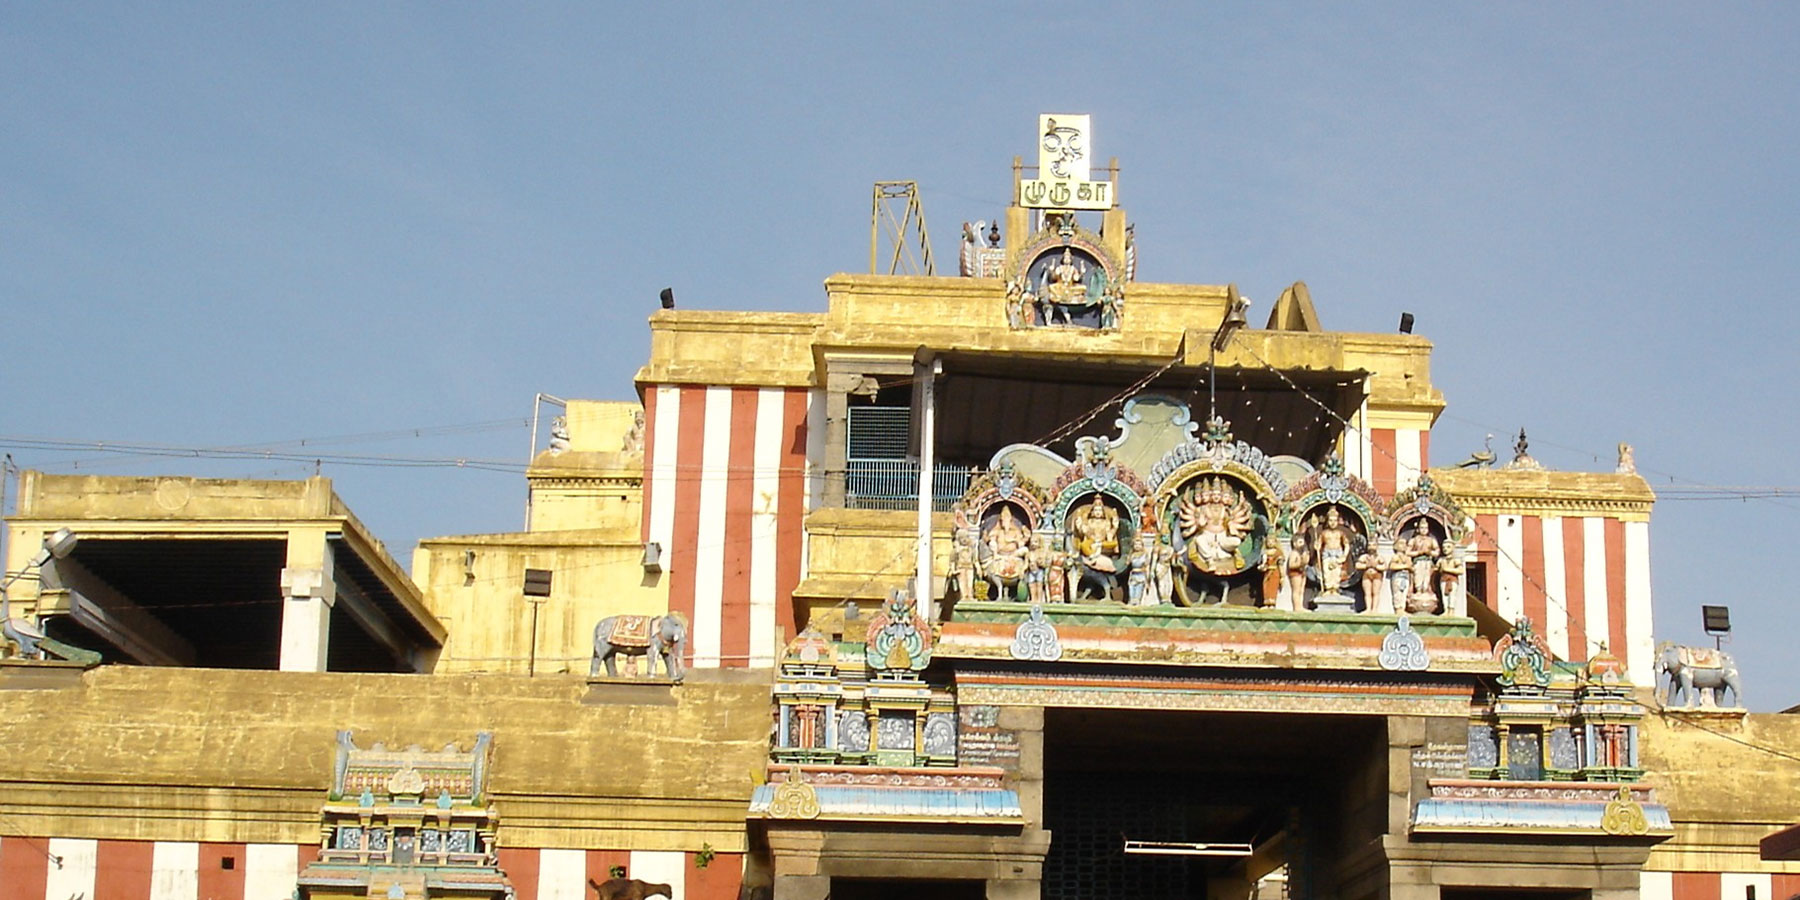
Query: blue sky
242, 224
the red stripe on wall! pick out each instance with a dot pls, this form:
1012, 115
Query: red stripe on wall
649, 458
521, 867
216, 881
122, 869
307, 855
1487, 530
1615, 591
1382, 465
1575, 585
740, 504
1783, 886
720, 880
690, 446
1531, 533
600, 863
1424, 450
790, 510
1691, 885
24, 867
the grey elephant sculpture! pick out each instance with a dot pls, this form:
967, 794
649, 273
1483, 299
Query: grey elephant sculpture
1683, 672
659, 638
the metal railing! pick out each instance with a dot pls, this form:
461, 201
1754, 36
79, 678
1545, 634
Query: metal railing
894, 484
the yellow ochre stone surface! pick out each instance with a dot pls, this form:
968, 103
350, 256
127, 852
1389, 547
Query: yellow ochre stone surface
867, 313
595, 573
1543, 492
204, 754
1728, 780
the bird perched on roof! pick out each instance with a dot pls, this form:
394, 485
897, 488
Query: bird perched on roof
1480, 459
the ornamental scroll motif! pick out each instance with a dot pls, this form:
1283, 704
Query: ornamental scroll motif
1624, 815
1036, 638
1403, 650
794, 799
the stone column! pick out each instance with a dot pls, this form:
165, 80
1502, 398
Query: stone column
309, 590
803, 887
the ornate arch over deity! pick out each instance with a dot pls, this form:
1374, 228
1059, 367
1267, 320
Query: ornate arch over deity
1065, 277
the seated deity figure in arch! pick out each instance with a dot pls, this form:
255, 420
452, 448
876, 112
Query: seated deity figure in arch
1007, 545
1213, 520
1066, 283
1094, 534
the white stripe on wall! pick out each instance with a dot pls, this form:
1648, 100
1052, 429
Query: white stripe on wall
270, 871
1510, 580
709, 552
1556, 610
661, 867
1657, 886
766, 500
662, 466
1593, 585
1641, 645
1737, 885
74, 877
1407, 451
562, 875
175, 871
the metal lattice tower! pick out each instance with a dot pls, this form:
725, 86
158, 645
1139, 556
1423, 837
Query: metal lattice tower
904, 258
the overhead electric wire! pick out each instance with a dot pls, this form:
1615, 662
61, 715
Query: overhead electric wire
164, 450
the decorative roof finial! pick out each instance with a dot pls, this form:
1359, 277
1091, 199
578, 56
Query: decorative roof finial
1521, 457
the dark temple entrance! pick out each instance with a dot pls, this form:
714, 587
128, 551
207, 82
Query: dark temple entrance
1300, 790
906, 889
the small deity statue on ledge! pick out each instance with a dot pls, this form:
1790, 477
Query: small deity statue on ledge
1450, 574
1299, 559
962, 561
1021, 304
1422, 552
559, 436
634, 436
1372, 567
1334, 546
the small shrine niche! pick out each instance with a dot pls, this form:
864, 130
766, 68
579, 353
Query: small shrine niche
407, 823
863, 700
808, 697
1554, 721
997, 553
1425, 561
1066, 278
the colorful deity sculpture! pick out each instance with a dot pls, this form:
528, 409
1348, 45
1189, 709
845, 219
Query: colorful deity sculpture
1095, 545
1215, 520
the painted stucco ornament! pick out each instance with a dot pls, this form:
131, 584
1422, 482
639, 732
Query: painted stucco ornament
1524, 657
1624, 815
898, 636
1403, 649
1036, 638
795, 799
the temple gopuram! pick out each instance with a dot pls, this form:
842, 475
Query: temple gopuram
1034, 582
